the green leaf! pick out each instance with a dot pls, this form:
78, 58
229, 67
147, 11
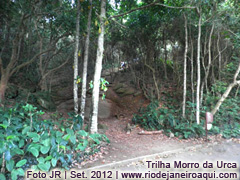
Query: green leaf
70, 131
44, 149
21, 143
4, 126
73, 139
21, 163
94, 137
66, 137
46, 142
10, 165
58, 133
83, 133
41, 160
25, 130
35, 137
103, 96
12, 137
2, 177
81, 147
44, 166
54, 162
14, 174
20, 171
62, 147
34, 151
18, 151
48, 158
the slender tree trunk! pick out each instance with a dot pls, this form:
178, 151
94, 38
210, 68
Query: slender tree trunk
209, 58
185, 69
75, 85
43, 82
165, 56
192, 72
198, 70
98, 69
219, 58
85, 64
207, 69
226, 93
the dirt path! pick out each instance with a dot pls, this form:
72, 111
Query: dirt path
125, 146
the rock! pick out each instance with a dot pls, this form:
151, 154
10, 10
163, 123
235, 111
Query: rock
44, 100
124, 91
62, 94
129, 91
120, 90
171, 135
118, 86
106, 72
66, 105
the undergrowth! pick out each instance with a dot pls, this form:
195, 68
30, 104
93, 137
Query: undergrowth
166, 118
169, 119
26, 141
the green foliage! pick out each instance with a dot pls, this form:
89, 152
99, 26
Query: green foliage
167, 118
219, 87
28, 142
149, 118
227, 119
103, 86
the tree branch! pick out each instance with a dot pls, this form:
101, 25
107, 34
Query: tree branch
128, 12
226, 93
175, 7
52, 70
149, 5
28, 62
118, 23
237, 73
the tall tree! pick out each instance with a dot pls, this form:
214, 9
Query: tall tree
198, 66
85, 63
75, 66
98, 69
185, 68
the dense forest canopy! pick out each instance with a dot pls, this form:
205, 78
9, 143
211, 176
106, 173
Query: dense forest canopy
180, 53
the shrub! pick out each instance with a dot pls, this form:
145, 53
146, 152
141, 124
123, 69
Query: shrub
26, 141
167, 118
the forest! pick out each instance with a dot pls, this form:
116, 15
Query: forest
61, 60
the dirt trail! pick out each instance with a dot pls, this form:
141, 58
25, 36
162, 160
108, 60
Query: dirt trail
125, 146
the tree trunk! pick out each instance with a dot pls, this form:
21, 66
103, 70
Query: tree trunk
3, 87
185, 69
226, 93
198, 70
98, 69
219, 58
85, 64
165, 56
192, 72
75, 76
